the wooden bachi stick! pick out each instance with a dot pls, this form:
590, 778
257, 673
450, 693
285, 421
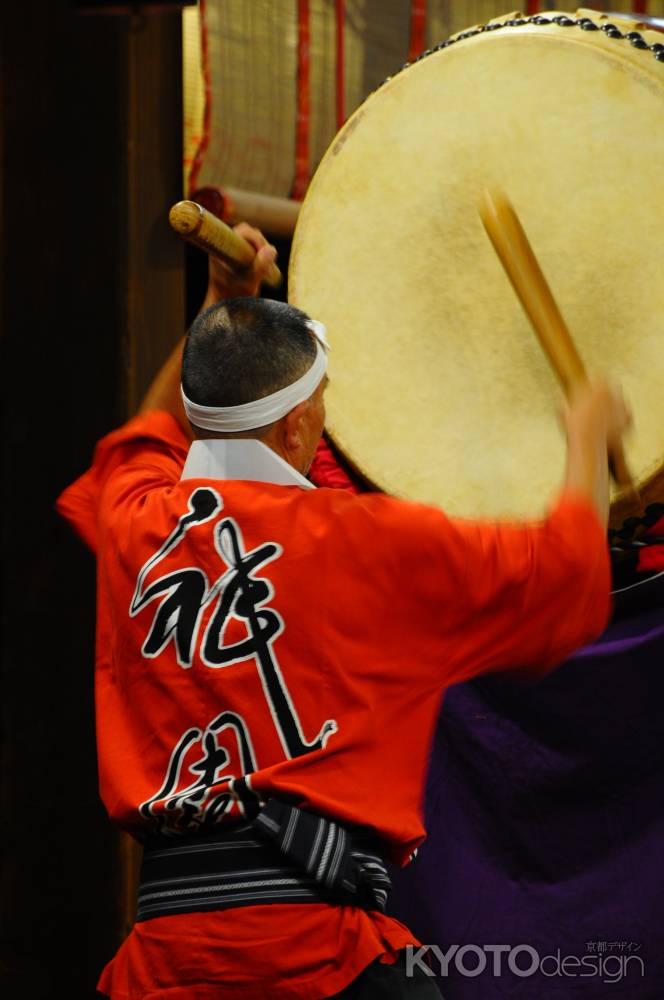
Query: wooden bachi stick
516, 255
200, 227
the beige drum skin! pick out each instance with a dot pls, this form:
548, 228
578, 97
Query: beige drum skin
438, 388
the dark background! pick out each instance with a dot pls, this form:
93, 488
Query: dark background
93, 297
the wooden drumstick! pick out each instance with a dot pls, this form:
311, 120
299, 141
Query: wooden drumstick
515, 253
200, 227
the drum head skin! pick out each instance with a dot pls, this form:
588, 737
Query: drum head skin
438, 390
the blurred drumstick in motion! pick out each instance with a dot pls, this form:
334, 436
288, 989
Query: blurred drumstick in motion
515, 253
200, 227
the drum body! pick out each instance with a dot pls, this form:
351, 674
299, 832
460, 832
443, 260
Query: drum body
438, 388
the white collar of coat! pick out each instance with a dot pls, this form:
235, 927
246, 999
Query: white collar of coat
240, 458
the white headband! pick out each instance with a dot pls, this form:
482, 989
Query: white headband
261, 412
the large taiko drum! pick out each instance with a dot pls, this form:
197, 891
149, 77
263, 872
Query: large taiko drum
438, 388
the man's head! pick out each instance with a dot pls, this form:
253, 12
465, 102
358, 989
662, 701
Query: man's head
243, 350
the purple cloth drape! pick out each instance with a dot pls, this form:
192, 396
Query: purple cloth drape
545, 817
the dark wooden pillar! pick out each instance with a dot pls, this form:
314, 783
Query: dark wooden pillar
155, 256
92, 300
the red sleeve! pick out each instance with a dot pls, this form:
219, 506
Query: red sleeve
153, 440
651, 557
510, 596
327, 471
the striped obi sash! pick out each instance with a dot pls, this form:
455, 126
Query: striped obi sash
285, 855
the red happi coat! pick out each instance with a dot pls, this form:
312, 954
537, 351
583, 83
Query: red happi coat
259, 640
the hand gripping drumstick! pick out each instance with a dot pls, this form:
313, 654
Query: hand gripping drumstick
198, 226
511, 244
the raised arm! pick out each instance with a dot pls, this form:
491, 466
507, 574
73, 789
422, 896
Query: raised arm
223, 283
595, 419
